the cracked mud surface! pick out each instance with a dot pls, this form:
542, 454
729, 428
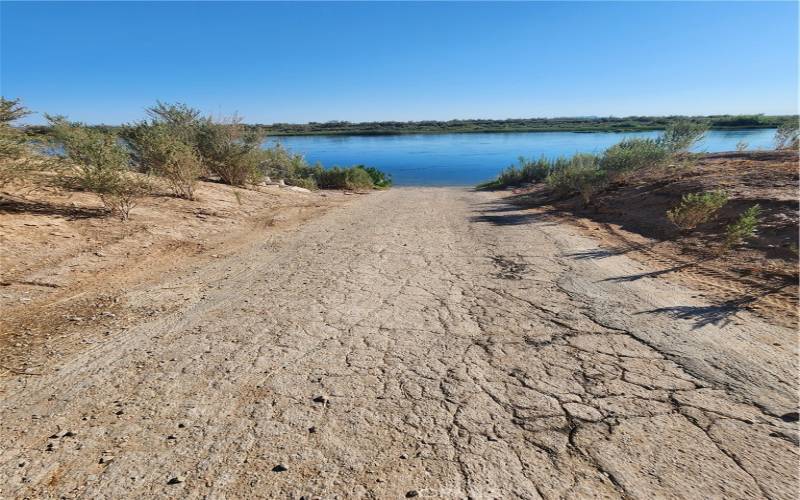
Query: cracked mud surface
403, 345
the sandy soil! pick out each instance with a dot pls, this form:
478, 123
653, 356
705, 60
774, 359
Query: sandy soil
415, 342
630, 218
67, 270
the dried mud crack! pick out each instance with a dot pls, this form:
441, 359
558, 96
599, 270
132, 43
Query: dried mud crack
404, 346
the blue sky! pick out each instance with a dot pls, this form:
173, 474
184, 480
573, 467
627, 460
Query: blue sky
279, 62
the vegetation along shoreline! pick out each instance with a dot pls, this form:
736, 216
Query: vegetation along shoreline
513, 125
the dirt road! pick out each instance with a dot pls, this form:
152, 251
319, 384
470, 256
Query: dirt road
417, 342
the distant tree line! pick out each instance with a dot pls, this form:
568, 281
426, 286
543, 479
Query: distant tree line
577, 124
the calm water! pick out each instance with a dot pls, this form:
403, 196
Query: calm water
467, 159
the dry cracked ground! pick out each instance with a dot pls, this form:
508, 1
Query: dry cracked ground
418, 342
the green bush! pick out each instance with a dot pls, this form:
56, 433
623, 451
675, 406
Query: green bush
528, 171
99, 163
280, 163
230, 151
303, 182
163, 149
352, 178
380, 179
697, 208
226, 147
679, 136
17, 158
580, 175
744, 227
631, 155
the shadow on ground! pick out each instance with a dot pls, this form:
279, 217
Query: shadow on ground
19, 206
715, 314
506, 213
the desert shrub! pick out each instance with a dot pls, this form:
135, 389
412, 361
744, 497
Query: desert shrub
581, 175
280, 163
230, 151
12, 140
225, 147
697, 208
527, 171
536, 170
15, 155
787, 136
352, 178
380, 179
99, 163
178, 116
744, 227
681, 135
303, 182
165, 150
630, 155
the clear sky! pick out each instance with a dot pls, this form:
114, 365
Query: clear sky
280, 62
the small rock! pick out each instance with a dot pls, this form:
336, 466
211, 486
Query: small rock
171, 436
181, 425
412, 494
279, 468
312, 430
60, 434
403, 456
176, 480
791, 416
583, 412
320, 399
104, 459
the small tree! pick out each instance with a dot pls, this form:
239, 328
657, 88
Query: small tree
697, 208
